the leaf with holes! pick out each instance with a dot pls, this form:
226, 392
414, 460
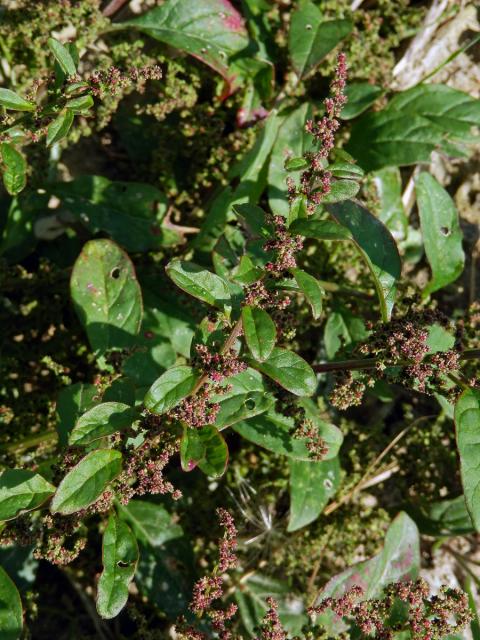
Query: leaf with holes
311, 289
11, 615
376, 245
211, 30
290, 371
102, 420
398, 560
312, 484
467, 424
311, 37
14, 169
259, 331
441, 232
22, 490
120, 558
235, 407
106, 295
86, 481
171, 388
205, 448
150, 522
199, 282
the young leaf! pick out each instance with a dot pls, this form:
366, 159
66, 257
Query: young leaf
241, 406
347, 170
86, 482
22, 490
360, 96
398, 560
290, 371
58, 129
320, 229
106, 295
311, 37
205, 448
102, 420
11, 100
467, 424
62, 56
312, 484
259, 331
210, 30
441, 232
11, 614
199, 282
14, 169
80, 104
311, 289
120, 558
341, 190
171, 388
377, 247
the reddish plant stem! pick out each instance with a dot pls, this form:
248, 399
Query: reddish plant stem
371, 363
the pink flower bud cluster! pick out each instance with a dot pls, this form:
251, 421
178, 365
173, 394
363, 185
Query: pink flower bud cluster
271, 628
218, 366
285, 247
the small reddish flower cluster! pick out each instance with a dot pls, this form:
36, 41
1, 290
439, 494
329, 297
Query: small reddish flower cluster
198, 410
210, 588
112, 81
401, 343
315, 444
315, 182
285, 247
271, 628
430, 617
218, 366
257, 295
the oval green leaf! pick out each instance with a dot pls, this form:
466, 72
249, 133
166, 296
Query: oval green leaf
467, 424
170, 388
59, 128
106, 295
62, 56
11, 100
311, 289
14, 169
259, 331
290, 371
22, 490
102, 420
120, 557
86, 482
205, 448
199, 282
11, 615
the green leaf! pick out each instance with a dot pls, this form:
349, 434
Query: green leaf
296, 164
80, 104
210, 30
388, 184
377, 247
341, 190
11, 615
398, 560
290, 371
348, 170
312, 484
320, 229
360, 96
199, 282
441, 232
236, 407
259, 331
311, 37
445, 518
106, 295
246, 273
86, 482
205, 448
120, 558
11, 100
62, 56
467, 424
59, 128
292, 141
102, 420
14, 169
22, 490
311, 289
274, 432
253, 218
72, 402
151, 522
171, 388
342, 329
